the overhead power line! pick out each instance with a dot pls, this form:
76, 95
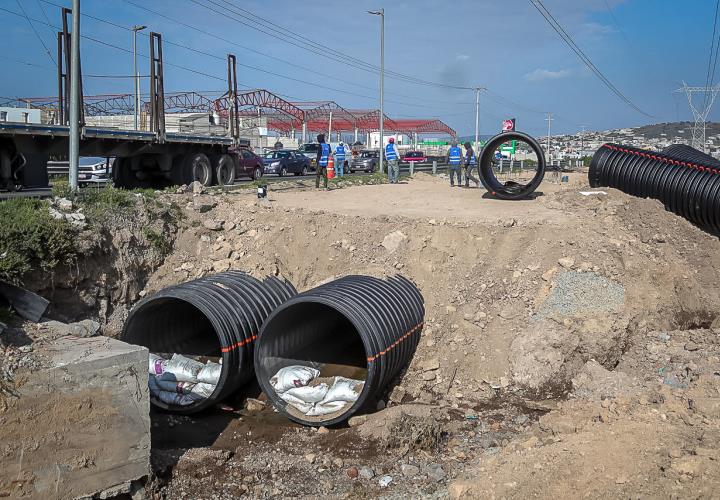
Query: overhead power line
555, 25
37, 35
287, 35
712, 58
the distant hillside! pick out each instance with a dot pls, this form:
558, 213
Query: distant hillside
672, 130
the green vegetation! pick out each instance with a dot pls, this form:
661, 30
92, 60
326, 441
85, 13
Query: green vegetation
31, 238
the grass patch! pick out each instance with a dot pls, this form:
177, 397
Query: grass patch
31, 238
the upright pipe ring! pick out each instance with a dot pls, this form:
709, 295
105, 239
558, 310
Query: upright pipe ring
509, 190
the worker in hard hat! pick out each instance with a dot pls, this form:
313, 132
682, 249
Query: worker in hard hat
454, 160
321, 161
392, 156
340, 160
470, 164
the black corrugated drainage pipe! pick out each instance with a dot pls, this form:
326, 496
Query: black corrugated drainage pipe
509, 190
215, 316
359, 327
687, 188
687, 153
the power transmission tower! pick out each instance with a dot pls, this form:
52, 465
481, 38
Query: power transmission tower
700, 113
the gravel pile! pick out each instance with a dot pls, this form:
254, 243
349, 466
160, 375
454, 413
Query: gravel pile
582, 292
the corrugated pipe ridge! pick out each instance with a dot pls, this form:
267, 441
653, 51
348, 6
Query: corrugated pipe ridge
217, 315
686, 186
369, 323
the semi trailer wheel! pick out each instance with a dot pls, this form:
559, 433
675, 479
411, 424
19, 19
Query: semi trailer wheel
224, 170
196, 167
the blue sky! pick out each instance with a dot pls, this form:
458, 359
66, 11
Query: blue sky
645, 47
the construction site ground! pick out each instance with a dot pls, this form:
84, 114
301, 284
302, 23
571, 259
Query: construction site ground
571, 345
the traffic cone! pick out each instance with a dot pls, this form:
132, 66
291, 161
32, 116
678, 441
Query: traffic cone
331, 167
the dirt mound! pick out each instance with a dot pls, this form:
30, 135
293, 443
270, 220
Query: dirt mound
542, 353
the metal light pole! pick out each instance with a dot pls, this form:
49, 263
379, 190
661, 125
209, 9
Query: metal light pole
381, 13
477, 119
74, 153
549, 119
135, 30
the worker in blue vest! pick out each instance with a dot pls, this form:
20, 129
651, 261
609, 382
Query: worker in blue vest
454, 160
392, 156
340, 160
470, 164
321, 160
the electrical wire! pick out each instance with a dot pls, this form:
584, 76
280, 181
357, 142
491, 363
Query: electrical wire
712, 59
557, 27
37, 35
289, 36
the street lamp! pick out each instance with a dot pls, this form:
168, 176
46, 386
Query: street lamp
381, 13
135, 30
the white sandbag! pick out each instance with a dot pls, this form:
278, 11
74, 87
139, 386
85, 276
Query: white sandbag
156, 364
210, 373
308, 394
325, 408
296, 403
182, 369
175, 399
201, 390
293, 376
344, 389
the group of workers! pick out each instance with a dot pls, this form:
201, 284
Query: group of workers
457, 162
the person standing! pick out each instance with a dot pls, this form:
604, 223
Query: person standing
454, 159
322, 161
470, 164
392, 156
340, 159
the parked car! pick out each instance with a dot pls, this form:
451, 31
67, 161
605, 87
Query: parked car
310, 150
414, 156
92, 170
248, 164
286, 161
365, 160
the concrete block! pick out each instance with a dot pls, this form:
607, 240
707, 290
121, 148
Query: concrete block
81, 425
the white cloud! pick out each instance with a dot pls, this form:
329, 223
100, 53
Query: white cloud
462, 57
545, 74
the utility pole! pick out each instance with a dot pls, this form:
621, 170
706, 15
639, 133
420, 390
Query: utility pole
74, 153
582, 141
135, 30
700, 115
477, 119
381, 13
549, 119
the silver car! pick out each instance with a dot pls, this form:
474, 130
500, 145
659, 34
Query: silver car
365, 160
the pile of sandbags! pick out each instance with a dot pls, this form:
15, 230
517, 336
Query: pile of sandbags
182, 381
302, 388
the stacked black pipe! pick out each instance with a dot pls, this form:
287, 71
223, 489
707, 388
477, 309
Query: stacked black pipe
217, 315
370, 323
685, 180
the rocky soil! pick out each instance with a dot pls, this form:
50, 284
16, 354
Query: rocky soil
571, 346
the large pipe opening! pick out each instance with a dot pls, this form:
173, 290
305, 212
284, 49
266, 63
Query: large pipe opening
172, 325
314, 335
168, 326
